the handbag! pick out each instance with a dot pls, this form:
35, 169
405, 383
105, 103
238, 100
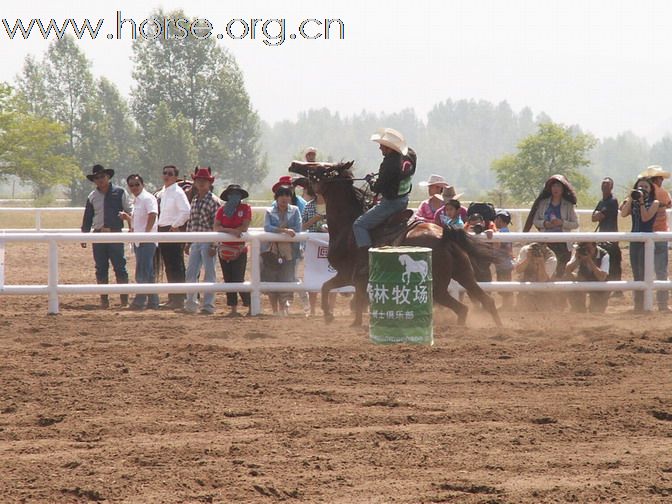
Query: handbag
278, 252
272, 258
232, 251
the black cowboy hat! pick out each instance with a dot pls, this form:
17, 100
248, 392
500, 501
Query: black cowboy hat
231, 188
97, 169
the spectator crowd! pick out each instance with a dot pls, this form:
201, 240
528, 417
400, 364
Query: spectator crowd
190, 204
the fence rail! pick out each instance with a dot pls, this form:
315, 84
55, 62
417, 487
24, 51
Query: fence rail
255, 286
518, 215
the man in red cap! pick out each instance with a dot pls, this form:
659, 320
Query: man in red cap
204, 206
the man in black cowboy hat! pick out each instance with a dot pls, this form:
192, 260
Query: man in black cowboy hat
104, 207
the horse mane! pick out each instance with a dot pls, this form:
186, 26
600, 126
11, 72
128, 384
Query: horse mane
362, 198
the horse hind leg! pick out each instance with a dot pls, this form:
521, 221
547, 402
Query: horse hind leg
475, 292
443, 297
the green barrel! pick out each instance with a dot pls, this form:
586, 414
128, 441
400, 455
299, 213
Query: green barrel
400, 295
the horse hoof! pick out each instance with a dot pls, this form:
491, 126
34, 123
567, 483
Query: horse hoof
328, 318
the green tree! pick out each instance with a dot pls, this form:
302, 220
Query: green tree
109, 134
169, 141
200, 81
31, 147
553, 149
58, 88
32, 86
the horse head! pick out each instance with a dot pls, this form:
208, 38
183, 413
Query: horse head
320, 174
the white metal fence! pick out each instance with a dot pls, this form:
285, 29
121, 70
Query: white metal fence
53, 289
518, 216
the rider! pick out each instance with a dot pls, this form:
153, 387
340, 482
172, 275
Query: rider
393, 183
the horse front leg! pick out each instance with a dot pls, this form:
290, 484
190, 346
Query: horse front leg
361, 300
333, 283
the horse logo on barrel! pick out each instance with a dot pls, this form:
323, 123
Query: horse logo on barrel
412, 266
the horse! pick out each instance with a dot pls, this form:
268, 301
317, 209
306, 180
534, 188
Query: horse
451, 248
411, 266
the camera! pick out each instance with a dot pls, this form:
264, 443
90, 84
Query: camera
478, 228
636, 194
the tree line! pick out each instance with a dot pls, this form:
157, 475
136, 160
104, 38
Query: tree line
489, 151
189, 106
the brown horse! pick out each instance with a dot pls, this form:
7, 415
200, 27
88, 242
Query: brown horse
451, 248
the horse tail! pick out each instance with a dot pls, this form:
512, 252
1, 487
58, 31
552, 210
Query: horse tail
475, 249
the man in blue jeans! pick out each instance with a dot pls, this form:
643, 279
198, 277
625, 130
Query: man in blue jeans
143, 220
204, 206
103, 213
393, 184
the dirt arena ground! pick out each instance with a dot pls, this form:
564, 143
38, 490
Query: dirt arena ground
120, 406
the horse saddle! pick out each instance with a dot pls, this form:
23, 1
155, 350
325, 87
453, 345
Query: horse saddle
393, 230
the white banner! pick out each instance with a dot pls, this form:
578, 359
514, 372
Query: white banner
316, 268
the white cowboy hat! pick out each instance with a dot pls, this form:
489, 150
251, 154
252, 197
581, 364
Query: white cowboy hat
654, 171
391, 138
310, 149
435, 180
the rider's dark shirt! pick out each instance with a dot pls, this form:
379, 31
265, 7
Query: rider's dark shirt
389, 176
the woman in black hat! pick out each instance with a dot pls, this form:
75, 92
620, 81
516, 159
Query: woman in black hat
234, 217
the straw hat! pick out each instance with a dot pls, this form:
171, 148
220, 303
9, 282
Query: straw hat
435, 180
449, 193
391, 138
654, 171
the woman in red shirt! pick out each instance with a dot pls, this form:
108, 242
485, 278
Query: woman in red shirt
234, 218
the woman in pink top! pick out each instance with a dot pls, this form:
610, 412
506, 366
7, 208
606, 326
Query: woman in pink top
435, 186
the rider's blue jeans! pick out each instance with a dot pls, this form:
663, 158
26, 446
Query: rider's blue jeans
375, 216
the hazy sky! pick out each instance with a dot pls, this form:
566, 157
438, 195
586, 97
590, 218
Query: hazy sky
602, 64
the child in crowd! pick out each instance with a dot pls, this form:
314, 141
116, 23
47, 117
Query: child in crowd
449, 215
504, 264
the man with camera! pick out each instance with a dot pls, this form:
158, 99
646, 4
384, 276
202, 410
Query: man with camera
660, 256
536, 262
591, 264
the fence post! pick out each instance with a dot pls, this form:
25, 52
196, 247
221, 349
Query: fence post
53, 278
255, 273
649, 273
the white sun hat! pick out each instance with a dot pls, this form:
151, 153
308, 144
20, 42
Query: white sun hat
654, 171
435, 180
391, 138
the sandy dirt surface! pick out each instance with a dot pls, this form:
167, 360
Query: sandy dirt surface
121, 406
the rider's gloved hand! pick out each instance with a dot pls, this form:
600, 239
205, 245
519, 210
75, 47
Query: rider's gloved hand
369, 178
